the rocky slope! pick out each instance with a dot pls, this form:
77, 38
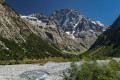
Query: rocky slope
18, 40
67, 28
48, 30
37, 72
80, 28
108, 43
11, 26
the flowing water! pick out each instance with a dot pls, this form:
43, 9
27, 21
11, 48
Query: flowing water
34, 75
49, 71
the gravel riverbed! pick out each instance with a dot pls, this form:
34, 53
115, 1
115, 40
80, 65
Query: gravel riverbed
49, 71
14, 72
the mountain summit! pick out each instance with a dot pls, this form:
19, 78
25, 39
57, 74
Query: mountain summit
67, 28
78, 26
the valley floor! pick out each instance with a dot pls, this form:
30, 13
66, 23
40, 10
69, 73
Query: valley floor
49, 71
14, 72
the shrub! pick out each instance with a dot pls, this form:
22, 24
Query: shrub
115, 65
91, 71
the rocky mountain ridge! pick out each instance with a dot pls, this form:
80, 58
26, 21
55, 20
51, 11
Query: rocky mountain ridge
49, 31
108, 43
71, 27
12, 26
19, 41
78, 26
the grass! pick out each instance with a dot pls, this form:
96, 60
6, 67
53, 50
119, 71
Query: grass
34, 61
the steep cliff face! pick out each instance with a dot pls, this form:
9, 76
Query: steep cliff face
108, 43
80, 28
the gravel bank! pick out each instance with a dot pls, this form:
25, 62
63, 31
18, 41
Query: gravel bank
13, 72
49, 71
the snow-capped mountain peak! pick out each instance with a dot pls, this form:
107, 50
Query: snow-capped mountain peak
78, 26
71, 20
72, 24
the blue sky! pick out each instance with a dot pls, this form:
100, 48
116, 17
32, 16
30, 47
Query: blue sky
105, 11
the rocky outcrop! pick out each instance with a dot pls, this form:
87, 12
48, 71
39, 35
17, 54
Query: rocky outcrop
2, 1
12, 26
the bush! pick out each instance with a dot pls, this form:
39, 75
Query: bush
91, 71
115, 65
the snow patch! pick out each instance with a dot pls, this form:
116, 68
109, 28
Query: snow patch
91, 30
73, 36
93, 22
104, 30
33, 19
99, 23
74, 29
29, 17
68, 33
76, 25
73, 32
